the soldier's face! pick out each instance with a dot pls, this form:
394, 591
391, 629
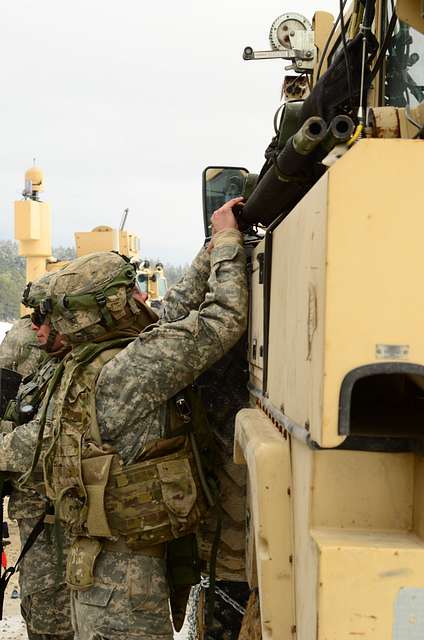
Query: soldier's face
42, 333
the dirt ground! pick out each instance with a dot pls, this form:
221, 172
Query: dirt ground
12, 626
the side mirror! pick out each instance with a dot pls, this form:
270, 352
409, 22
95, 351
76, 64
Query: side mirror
220, 184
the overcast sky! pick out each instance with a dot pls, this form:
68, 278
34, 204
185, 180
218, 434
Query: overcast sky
124, 103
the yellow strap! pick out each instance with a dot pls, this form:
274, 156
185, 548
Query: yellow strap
356, 135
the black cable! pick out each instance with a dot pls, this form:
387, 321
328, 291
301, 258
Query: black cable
420, 134
327, 44
365, 30
384, 46
369, 13
346, 55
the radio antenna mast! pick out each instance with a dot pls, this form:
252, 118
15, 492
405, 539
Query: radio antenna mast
123, 220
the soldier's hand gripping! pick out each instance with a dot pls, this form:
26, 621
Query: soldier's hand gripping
224, 218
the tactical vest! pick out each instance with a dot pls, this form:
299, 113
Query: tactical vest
154, 500
23, 407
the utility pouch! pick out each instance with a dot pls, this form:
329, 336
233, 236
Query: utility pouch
95, 475
81, 561
158, 498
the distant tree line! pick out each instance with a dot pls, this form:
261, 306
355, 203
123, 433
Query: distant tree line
12, 276
12, 280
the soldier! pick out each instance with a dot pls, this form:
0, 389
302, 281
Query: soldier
120, 487
45, 598
19, 350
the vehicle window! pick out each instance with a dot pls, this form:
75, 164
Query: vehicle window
404, 66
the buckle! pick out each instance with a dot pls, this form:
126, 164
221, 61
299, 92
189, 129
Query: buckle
183, 408
100, 298
46, 306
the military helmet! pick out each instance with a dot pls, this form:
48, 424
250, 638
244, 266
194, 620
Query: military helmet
36, 291
93, 296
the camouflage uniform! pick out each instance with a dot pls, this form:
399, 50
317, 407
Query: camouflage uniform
188, 294
130, 597
19, 350
45, 600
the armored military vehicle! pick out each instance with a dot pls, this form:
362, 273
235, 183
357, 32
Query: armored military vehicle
152, 280
332, 439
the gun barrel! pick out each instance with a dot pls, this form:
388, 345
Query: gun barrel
284, 184
309, 135
341, 128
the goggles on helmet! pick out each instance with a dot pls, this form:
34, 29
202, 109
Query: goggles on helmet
37, 317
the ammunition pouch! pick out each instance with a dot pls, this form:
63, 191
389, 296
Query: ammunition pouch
157, 499
80, 564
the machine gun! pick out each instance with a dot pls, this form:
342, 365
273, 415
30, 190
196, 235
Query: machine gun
309, 129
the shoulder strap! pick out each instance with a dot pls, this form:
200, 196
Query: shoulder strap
103, 358
42, 423
10, 571
86, 353
79, 356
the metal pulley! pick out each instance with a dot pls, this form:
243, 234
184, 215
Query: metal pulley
291, 38
283, 26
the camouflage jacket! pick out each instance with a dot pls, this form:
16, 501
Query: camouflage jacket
38, 569
188, 294
28, 503
133, 388
19, 350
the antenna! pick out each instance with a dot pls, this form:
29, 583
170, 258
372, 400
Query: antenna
123, 220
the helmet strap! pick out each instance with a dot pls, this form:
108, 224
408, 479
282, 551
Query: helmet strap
102, 305
135, 309
50, 340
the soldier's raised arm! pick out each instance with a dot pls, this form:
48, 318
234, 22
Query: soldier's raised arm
190, 291
168, 357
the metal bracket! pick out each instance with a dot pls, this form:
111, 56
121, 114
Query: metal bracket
302, 52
